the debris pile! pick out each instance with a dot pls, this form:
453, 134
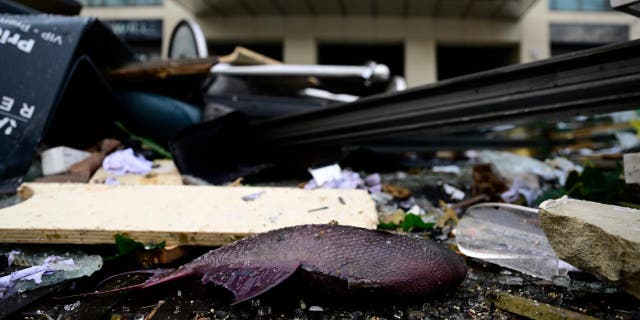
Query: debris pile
456, 187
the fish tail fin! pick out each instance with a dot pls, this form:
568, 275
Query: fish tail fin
98, 293
154, 273
166, 275
158, 276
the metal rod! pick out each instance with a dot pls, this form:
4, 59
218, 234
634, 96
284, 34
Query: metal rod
372, 72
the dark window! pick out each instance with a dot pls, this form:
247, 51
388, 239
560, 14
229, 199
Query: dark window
120, 3
566, 38
454, 61
594, 34
146, 51
144, 37
272, 50
580, 5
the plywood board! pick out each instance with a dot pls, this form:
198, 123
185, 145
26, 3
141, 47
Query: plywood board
180, 215
161, 69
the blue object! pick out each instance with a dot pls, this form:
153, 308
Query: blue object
155, 116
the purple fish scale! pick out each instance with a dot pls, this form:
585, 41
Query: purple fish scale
395, 264
398, 264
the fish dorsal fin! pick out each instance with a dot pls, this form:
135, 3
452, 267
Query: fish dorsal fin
246, 282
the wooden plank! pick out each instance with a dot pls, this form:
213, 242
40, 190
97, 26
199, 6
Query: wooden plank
532, 309
242, 56
179, 215
161, 69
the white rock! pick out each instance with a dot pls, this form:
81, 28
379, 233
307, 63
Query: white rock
600, 239
60, 159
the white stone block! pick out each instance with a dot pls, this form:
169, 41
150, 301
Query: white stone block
59, 159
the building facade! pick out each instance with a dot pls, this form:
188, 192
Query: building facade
423, 40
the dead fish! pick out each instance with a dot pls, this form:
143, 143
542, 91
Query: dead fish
363, 260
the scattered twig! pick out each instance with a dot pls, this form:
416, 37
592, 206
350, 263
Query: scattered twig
318, 209
449, 214
471, 201
532, 309
155, 310
237, 182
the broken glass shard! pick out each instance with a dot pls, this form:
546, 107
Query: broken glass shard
509, 236
39, 269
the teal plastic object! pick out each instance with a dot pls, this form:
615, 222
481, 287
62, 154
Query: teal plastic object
155, 116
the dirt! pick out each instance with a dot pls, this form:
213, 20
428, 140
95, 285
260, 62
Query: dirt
190, 300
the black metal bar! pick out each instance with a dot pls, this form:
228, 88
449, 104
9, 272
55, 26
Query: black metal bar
592, 81
565, 99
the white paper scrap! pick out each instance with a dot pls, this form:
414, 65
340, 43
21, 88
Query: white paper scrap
325, 174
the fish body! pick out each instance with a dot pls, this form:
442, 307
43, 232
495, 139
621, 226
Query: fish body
363, 260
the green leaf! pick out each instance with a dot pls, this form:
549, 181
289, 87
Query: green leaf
572, 180
600, 185
412, 221
148, 143
592, 184
155, 246
387, 226
126, 245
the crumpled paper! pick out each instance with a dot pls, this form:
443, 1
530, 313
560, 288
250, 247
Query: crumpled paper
126, 162
346, 179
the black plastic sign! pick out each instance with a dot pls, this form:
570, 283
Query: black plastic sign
37, 53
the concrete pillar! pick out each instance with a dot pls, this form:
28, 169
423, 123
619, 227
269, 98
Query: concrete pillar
300, 50
420, 61
534, 33
634, 29
299, 42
